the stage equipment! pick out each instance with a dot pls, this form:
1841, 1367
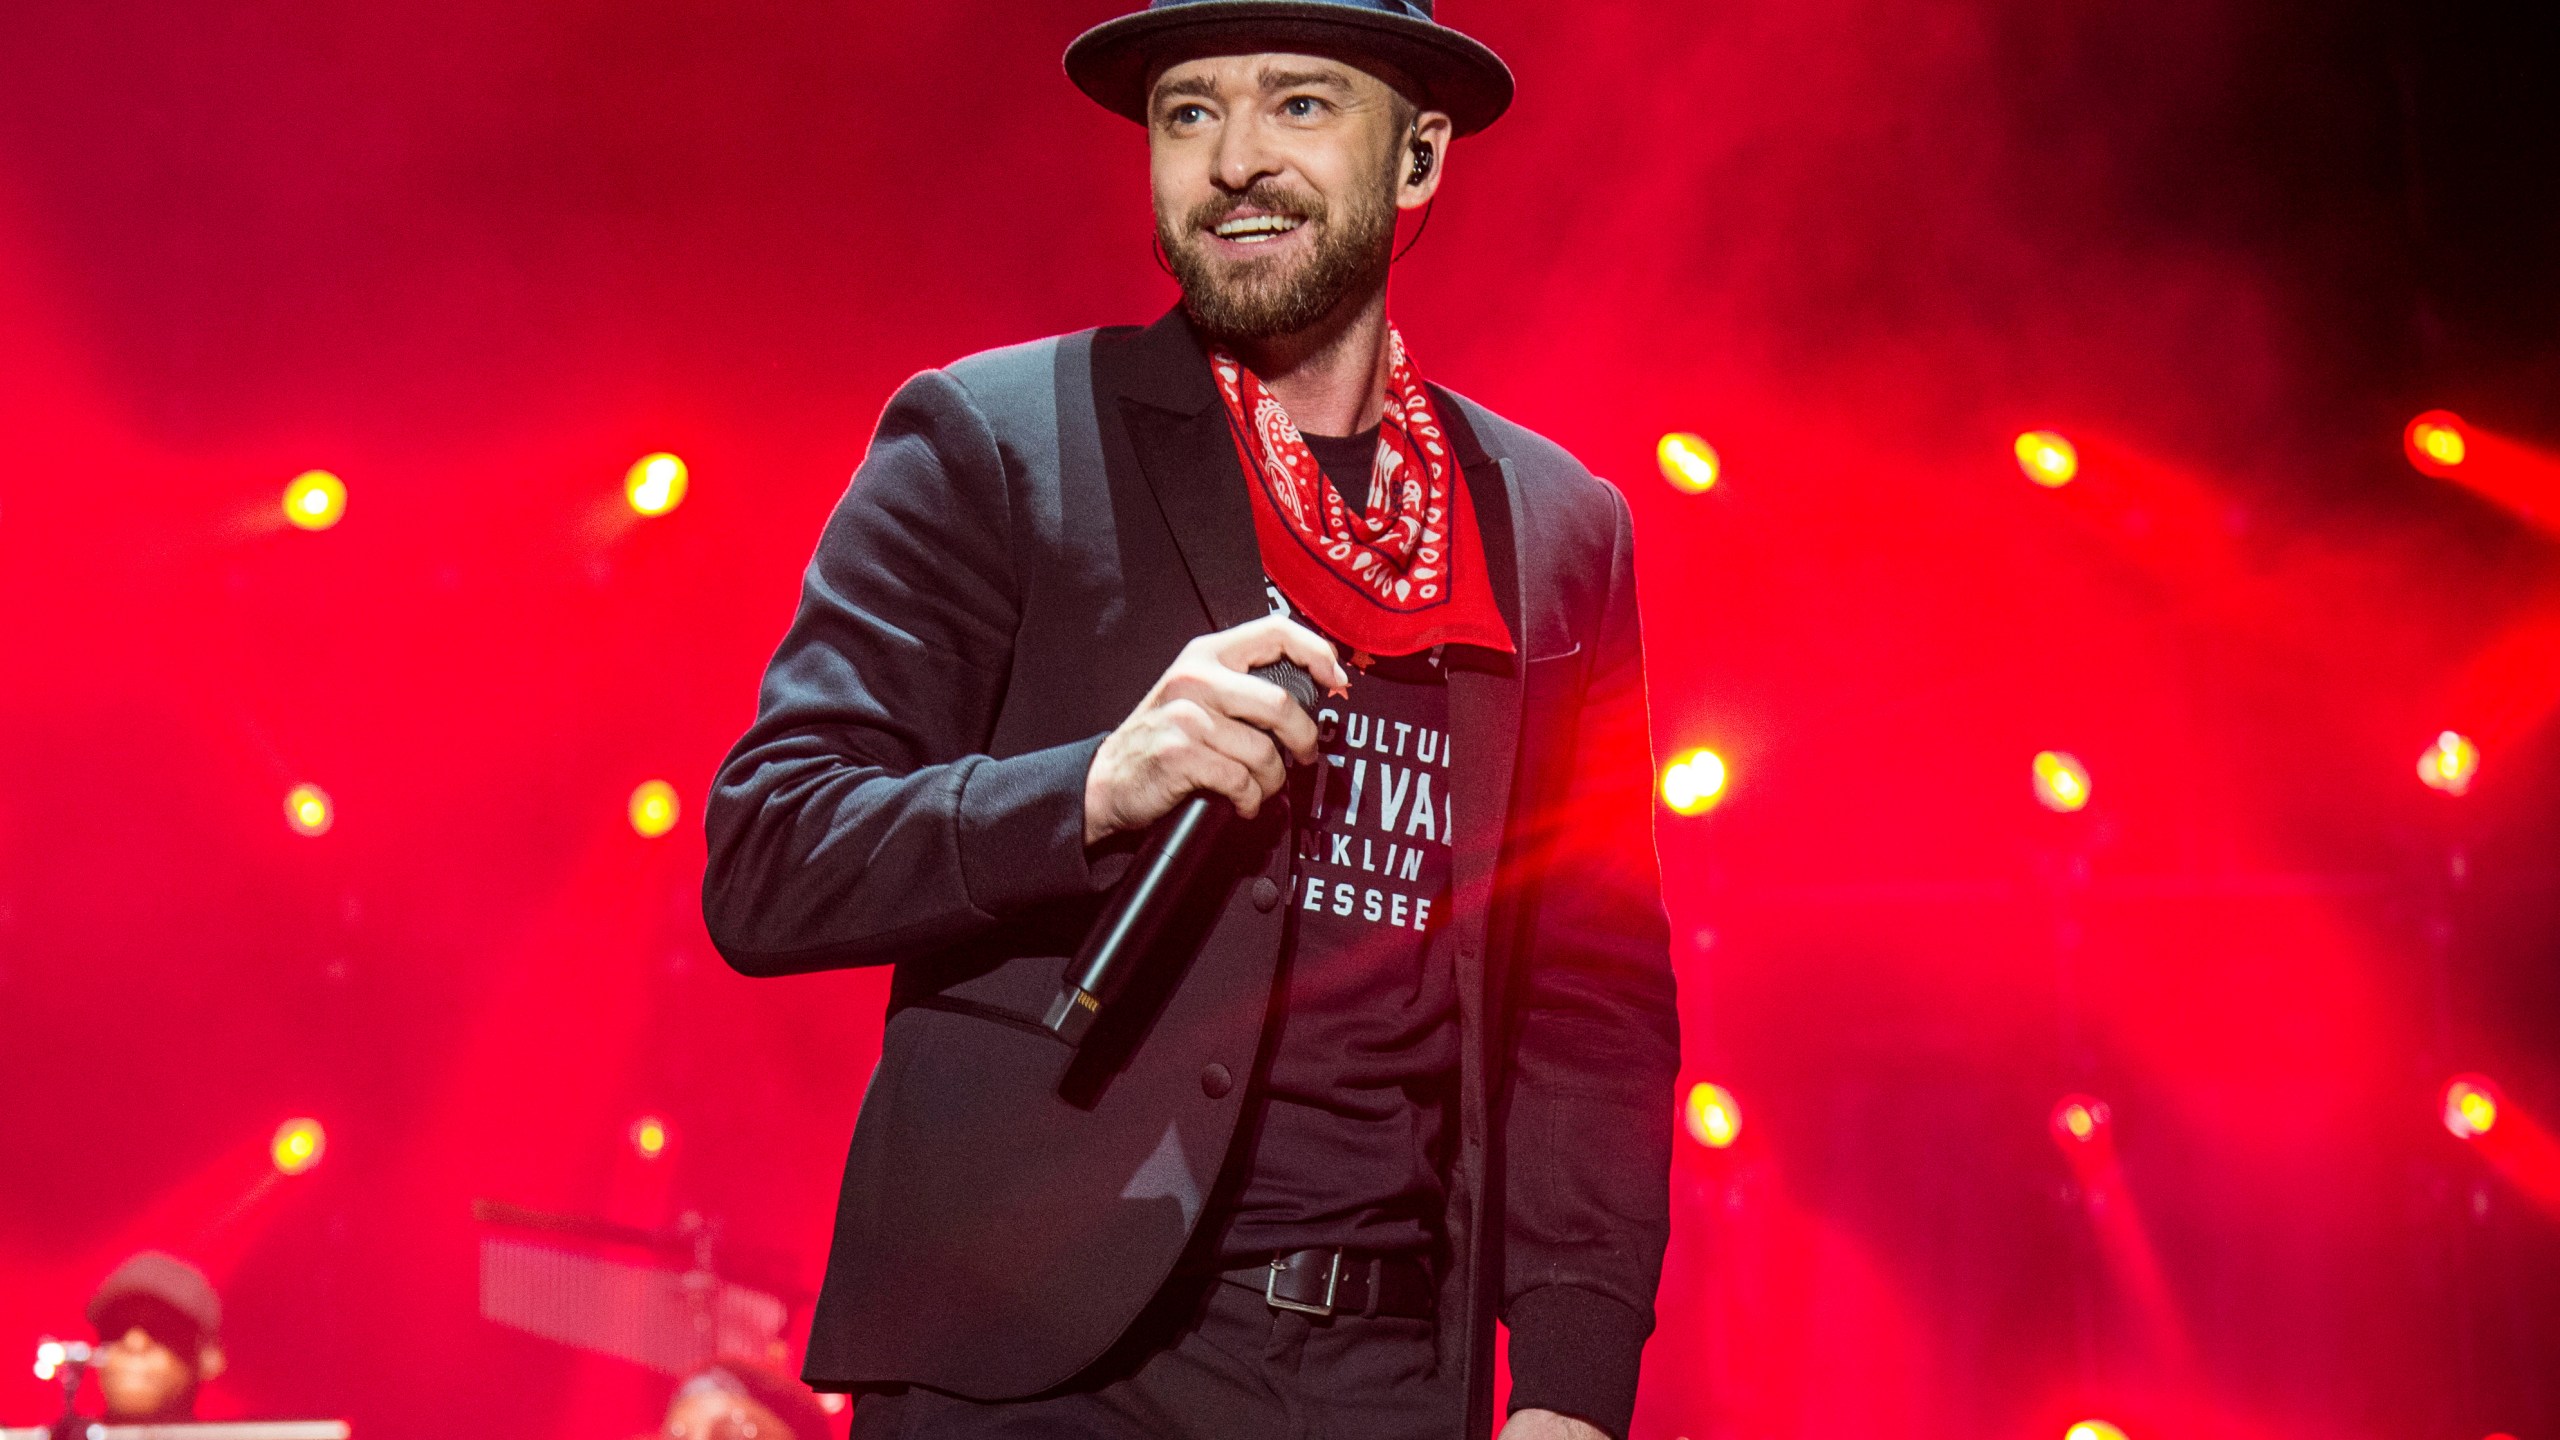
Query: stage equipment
299, 1144
1694, 783
655, 809
2048, 459
308, 810
67, 1361
2080, 1120
2449, 764
1714, 1117
2470, 1107
315, 500
1689, 463
2062, 782
698, 1304
226, 1431
1138, 909
655, 484
2437, 443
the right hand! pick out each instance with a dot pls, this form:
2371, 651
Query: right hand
1210, 727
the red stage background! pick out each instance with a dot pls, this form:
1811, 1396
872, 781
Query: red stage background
477, 257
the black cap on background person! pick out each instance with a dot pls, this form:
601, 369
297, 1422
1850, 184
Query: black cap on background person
160, 1336
737, 1401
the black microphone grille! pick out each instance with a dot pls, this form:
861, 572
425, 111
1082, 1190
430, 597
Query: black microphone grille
1292, 677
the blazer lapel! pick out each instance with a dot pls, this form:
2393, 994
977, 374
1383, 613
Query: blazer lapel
1484, 686
1484, 735
1157, 383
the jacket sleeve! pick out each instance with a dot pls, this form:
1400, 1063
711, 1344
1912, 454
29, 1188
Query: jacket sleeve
858, 821
1596, 1049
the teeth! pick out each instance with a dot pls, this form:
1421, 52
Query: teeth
1258, 227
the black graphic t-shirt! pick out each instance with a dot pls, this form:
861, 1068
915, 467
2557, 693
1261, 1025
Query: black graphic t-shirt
1344, 1134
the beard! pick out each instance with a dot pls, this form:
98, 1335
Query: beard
1258, 299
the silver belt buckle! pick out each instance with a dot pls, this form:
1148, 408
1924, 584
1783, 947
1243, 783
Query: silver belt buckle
1332, 1281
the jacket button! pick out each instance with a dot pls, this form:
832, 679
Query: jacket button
1215, 1082
1266, 893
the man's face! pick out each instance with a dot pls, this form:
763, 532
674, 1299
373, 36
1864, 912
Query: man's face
1277, 182
142, 1378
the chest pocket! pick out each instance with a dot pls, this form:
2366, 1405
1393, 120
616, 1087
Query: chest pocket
1550, 715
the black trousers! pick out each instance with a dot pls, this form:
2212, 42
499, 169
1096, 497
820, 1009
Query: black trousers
1212, 1360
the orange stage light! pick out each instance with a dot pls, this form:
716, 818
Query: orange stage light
1694, 783
2449, 764
2062, 782
1713, 1116
2470, 1107
2522, 479
649, 1137
308, 810
2438, 442
2093, 1430
655, 483
2080, 1119
1689, 463
2047, 458
315, 500
298, 1146
654, 808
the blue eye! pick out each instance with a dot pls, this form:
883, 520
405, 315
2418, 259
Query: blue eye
1302, 107
1187, 115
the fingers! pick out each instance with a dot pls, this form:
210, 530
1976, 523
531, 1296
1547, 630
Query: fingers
1277, 637
1254, 750
1208, 726
1248, 698
1224, 754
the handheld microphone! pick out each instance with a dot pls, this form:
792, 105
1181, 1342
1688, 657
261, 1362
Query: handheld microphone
1136, 912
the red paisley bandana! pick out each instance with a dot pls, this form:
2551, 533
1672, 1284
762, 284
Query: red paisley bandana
1404, 574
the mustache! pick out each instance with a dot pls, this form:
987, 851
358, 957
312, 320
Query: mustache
1209, 214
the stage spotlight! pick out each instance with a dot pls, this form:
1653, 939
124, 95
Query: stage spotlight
2093, 1430
2080, 1119
2437, 443
2449, 764
315, 500
2470, 1107
51, 1356
1694, 783
1689, 463
308, 810
298, 1145
2062, 782
654, 809
1714, 1117
655, 484
649, 1137
2048, 459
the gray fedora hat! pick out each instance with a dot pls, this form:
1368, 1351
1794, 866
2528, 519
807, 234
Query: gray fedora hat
1113, 61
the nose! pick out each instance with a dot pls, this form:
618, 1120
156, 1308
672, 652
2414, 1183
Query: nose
1244, 158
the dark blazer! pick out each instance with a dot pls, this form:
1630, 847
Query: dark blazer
1034, 535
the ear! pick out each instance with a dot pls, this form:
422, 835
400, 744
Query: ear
210, 1361
1431, 132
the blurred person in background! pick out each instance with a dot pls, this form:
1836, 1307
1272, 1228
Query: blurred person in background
733, 1401
159, 1328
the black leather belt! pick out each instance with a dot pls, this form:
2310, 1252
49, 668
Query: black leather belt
1342, 1282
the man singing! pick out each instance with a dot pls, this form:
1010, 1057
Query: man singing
1402, 1064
